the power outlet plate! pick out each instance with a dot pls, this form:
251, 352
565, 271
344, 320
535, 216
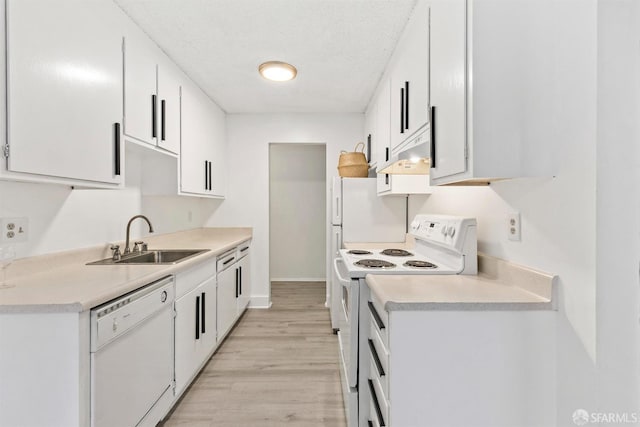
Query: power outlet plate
513, 226
14, 230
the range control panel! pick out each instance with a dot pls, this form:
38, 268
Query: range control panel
442, 229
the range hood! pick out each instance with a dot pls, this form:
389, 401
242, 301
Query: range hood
412, 157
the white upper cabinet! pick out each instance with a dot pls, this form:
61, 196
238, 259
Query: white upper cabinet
170, 80
64, 91
488, 72
388, 118
383, 99
140, 98
448, 88
151, 94
203, 149
409, 78
371, 132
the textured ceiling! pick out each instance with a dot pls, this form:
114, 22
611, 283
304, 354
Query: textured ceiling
340, 48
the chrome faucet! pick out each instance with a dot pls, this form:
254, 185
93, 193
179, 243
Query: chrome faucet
126, 247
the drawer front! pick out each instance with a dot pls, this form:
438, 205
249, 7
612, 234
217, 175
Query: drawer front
379, 322
379, 408
243, 250
227, 259
381, 377
188, 280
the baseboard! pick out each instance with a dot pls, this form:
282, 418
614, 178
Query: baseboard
299, 279
262, 301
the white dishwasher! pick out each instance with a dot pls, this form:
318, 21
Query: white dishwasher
132, 357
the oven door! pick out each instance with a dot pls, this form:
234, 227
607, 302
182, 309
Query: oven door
348, 321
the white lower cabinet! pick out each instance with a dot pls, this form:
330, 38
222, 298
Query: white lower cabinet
234, 287
244, 278
227, 296
457, 367
195, 322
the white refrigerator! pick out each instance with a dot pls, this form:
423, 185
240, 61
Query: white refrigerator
359, 215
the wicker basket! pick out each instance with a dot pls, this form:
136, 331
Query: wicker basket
353, 164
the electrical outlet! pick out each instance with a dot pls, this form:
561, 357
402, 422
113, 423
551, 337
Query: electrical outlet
14, 230
513, 226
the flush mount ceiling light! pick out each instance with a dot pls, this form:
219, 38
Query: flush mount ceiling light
277, 71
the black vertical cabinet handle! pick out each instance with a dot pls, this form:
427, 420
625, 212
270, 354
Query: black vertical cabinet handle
210, 187
197, 318
204, 316
433, 136
386, 154
240, 268
206, 175
154, 117
386, 179
163, 119
116, 130
406, 105
237, 282
369, 148
401, 110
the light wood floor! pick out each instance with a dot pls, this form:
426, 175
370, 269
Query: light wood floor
277, 367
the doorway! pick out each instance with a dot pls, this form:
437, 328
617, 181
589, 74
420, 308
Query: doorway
297, 212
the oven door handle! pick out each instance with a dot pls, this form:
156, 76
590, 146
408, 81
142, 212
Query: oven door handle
337, 271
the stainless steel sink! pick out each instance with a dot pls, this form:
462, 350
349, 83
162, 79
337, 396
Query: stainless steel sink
158, 257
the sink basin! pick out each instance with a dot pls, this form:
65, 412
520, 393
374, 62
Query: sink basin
158, 256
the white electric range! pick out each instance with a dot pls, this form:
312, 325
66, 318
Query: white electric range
443, 245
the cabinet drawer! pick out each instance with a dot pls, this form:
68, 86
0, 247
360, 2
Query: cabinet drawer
243, 250
381, 378
379, 320
188, 280
378, 407
227, 259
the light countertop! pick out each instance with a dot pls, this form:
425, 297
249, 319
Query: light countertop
62, 282
500, 285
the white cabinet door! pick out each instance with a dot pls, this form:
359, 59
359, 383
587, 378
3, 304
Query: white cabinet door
202, 151
195, 331
194, 152
448, 75
186, 344
371, 131
244, 283
208, 316
152, 94
218, 138
169, 82
140, 100
227, 296
415, 69
384, 132
409, 76
64, 84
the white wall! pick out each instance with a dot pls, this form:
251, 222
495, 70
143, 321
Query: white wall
618, 207
584, 223
297, 206
63, 219
247, 203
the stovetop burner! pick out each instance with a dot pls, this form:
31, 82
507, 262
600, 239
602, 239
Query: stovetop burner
359, 252
374, 263
419, 264
396, 252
